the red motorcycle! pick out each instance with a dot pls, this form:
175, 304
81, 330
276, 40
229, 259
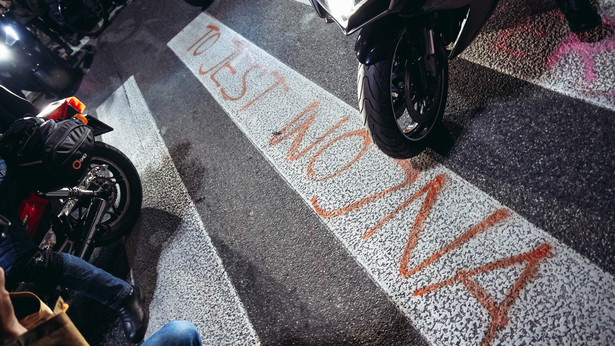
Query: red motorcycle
102, 205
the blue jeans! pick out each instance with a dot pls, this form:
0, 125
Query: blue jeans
176, 333
92, 282
16, 249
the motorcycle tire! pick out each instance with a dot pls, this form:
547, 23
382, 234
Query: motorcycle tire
126, 205
86, 17
383, 99
58, 81
124, 201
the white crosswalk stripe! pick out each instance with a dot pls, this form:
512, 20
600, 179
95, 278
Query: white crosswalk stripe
193, 274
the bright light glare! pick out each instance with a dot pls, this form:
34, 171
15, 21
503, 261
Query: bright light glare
5, 53
10, 32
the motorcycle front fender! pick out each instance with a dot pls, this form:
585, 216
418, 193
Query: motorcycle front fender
479, 12
319, 10
98, 127
377, 40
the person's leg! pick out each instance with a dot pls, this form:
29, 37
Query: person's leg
97, 284
177, 333
46, 269
92, 282
9, 325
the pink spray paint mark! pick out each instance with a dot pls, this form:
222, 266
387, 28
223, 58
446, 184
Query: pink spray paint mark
525, 25
585, 50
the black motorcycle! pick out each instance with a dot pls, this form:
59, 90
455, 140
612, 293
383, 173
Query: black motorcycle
77, 204
27, 64
403, 49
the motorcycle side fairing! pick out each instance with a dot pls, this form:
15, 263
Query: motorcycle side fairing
382, 25
70, 107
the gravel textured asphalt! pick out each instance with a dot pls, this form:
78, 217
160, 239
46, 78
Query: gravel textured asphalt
529, 125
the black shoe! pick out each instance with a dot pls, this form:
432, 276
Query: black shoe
580, 14
581, 22
134, 317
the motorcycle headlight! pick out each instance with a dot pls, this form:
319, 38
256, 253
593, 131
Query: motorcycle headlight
342, 10
11, 35
351, 15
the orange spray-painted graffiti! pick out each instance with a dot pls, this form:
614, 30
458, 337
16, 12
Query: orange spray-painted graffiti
411, 174
279, 81
209, 40
431, 191
300, 132
362, 134
497, 311
297, 130
213, 33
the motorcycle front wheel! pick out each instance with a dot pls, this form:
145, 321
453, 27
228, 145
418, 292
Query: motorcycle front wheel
124, 192
398, 109
127, 197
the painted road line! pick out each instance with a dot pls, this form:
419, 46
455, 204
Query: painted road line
536, 46
189, 274
464, 268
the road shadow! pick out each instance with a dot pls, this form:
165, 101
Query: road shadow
145, 244
99, 324
189, 168
275, 306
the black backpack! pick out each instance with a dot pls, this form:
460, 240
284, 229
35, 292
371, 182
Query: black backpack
47, 154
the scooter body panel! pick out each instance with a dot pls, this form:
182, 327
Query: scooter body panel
381, 27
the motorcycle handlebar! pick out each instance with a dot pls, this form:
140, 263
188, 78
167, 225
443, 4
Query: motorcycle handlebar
70, 193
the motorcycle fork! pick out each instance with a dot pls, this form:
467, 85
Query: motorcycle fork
425, 64
97, 209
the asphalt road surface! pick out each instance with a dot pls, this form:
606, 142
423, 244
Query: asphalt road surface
270, 218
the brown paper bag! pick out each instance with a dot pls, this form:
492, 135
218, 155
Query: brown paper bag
45, 327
